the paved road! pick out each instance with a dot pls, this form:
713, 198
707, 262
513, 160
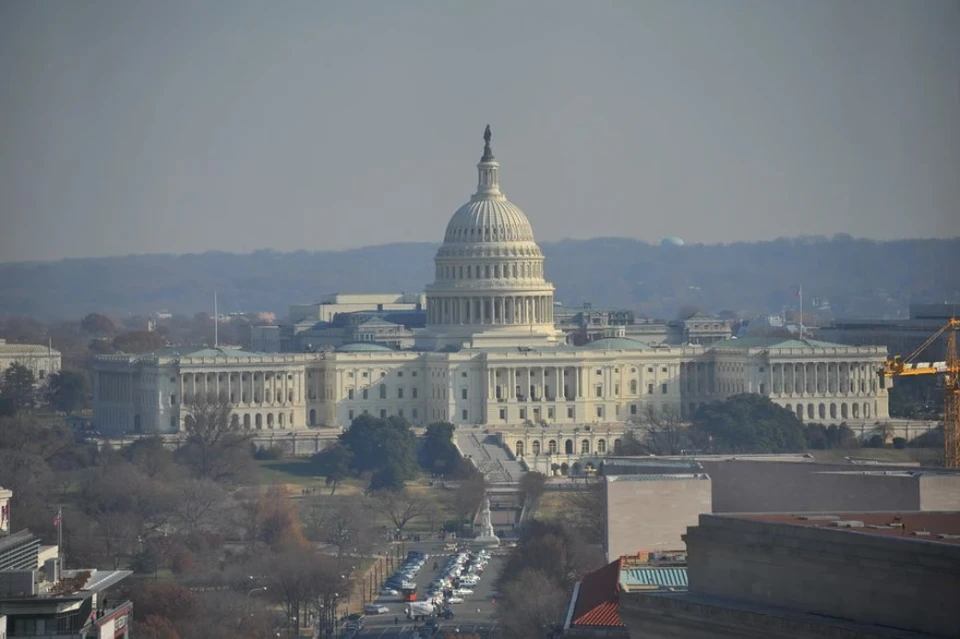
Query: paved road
466, 616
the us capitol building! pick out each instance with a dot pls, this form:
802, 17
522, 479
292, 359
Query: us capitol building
489, 354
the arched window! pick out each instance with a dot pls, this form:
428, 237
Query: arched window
866, 410
856, 411
810, 411
617, 444
280, 420
259, 421
552, 447
234, 421
269, 420
800, 411
246, 421
833, 410
843, 411
289, 396
568, 447
519, 448
585, 447
536, 447
822, 411
601, 445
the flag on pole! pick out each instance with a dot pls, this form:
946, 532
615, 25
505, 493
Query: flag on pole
56, 520
800, 290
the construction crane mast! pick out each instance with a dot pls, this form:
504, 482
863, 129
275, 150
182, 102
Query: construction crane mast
950, 371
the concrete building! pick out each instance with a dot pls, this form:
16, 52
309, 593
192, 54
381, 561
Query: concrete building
40, 599
774, 486
899, 336
41, 360
863, 575
489, 353
651, 511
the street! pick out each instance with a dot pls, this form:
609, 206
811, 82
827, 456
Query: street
466, 617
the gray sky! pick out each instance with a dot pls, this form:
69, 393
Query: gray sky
135, 126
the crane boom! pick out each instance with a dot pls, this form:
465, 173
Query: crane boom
950, 369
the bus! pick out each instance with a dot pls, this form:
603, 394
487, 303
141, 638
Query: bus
409, 594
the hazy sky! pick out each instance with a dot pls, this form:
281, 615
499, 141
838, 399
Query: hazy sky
134, 126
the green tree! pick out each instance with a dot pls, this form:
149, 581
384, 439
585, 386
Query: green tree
333, 463
67, 391
379, 443
533, 485
390, 478
17, 387
747, 423
97, 324
138, 341
439, 455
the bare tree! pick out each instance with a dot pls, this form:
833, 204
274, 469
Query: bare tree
585, 510
468, 497
349, 527
199, 504
663, 432
215, 447
402, 507
530, 606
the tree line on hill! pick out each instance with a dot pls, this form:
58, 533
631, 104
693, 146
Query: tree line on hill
749, 278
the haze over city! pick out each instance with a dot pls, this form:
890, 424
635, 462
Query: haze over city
144, 127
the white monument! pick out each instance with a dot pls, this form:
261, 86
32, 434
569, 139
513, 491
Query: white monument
487, 537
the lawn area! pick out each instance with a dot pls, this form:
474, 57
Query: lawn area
297, 471
926, 456
551, 505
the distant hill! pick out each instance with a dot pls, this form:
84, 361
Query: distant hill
858, 277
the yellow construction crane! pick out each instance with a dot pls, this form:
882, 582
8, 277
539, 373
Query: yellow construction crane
950, 369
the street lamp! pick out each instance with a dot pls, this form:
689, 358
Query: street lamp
246, 603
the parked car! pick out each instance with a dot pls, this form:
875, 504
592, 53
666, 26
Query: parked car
375, 609
389, 592
455, 600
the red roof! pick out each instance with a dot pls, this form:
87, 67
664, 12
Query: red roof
598, 601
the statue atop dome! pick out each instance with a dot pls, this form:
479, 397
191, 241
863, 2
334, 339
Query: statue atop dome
487, 152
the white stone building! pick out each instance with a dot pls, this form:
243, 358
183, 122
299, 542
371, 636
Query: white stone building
490, 355
41, 360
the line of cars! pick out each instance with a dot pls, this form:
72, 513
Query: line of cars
459, 576
402, 580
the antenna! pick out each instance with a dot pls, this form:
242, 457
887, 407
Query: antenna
216, 322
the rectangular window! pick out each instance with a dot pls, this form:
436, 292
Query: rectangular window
400, 412
399, 393
633, 409
413, 374
549, 413
414, 391
649, 389
663, 370
383, 413
463, 393
650, 369
616, 390
350, 415
663, 389
463, 374
503, 414
173, 400
464, 414
366, 393
414, 413
383, 391
599, 411
570, 412
399, 373
599, 391
599, 372
523, 413
364, 374
350, 393
763, 388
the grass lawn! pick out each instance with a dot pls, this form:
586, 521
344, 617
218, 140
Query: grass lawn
551, 505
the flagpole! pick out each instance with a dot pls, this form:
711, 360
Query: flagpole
216, 322
60, 552
801, 311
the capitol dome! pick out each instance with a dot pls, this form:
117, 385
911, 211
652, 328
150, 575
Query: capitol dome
489, 283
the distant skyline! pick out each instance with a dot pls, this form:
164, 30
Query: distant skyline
135, 126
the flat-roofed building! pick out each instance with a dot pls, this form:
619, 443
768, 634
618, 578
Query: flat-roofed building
41, 360
839, 574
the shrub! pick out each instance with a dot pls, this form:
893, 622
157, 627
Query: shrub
876, 441
268, 454
899, 443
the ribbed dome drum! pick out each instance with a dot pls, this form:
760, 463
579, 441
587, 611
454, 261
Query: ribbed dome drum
488, 219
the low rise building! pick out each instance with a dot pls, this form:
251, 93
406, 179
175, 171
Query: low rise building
842, 574
40, 360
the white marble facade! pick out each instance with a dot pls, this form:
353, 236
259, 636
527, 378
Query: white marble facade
490, 355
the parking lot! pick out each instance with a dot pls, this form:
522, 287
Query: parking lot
474, 615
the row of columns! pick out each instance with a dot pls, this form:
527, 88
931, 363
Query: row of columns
528, 378
287, 385
491, 310
522, 270
853, 378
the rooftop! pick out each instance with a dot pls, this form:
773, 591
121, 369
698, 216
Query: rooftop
776, 342
937, 527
